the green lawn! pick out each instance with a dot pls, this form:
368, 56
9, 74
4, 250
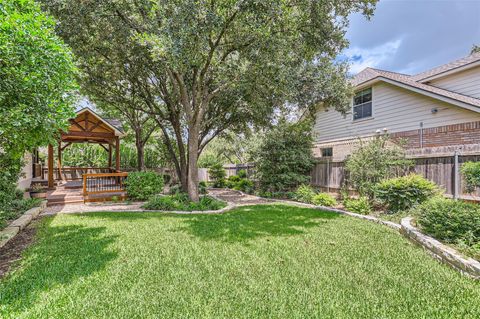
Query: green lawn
254, 262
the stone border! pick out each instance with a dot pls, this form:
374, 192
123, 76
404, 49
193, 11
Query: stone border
20, 223
443, 253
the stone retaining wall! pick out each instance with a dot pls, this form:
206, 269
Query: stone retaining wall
20, 223
445, 254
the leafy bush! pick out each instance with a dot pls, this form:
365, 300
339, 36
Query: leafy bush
471, 173
242, 173
181, 202
359, 205
202, 188
284, 159
240, 183
280, 195
451, 221
324, 199
244, 185
304, 194
217, 174
402, 193
373, 162
232, 181
16, 207
142, 185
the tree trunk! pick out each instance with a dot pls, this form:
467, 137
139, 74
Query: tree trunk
192, 163
140, 157
140, 145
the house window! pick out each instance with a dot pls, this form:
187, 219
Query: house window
327, 152
362, 104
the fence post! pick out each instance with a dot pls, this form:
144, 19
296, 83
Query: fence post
328, 175
456, 177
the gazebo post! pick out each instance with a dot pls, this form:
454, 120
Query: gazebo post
109, 155
59, 161
50, 166
117, 153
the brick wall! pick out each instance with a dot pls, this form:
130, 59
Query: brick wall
456, 134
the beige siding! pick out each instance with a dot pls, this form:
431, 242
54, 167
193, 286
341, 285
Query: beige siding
27, 173
466, 82
395, 109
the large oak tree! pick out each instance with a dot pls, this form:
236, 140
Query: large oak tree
204, 66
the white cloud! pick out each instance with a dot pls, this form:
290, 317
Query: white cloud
361, 58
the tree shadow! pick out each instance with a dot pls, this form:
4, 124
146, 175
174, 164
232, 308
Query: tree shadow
247, 223
61, 255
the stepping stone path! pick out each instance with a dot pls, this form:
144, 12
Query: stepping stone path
237, 198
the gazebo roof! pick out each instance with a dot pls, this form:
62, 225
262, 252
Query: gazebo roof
88, 126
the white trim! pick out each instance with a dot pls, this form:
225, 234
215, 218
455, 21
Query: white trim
372, 116
449, 72
116, 131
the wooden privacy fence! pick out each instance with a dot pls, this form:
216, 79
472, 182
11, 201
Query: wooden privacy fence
230, 170
441, 169
95, 185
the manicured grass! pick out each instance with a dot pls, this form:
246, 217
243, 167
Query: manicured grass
255, 262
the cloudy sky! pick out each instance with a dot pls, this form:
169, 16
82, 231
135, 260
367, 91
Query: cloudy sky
410, 36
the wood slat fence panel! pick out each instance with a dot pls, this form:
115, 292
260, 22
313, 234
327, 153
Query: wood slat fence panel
440, 170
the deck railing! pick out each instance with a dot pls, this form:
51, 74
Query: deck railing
104, 183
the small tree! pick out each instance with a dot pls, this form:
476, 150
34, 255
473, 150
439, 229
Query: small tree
284, 159
217, 174
373, 162
36, 85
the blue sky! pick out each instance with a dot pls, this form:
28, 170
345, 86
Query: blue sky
411, 36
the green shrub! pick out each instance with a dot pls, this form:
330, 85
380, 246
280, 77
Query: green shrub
450, 221
284, 158
402, 193
242, 173
142, 185
244, 185
324, 199
232, 181
373, 162
471, 173
217, 174
175, 189
304, 194
202, 188
359, 205
181, 202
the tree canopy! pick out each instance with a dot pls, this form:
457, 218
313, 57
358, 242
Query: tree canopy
36, 78
201, 67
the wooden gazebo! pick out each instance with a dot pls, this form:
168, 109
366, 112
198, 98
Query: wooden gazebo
88, 127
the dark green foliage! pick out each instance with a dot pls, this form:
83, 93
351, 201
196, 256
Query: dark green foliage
142, 185
471, 173
37, 78
359, 205
284, 159
217, 174
305, 194
373, 162
181, 202
324, 199
16, 206
451, 221
240, 182
402, 193
202, 188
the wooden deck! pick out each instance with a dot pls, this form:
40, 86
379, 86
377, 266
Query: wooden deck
71, 192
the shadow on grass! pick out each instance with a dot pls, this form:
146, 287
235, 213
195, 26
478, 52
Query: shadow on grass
251, 222
61, 255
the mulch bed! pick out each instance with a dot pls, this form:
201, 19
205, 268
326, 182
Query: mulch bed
12, 251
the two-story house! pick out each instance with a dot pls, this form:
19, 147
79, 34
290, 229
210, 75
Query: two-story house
439, 107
